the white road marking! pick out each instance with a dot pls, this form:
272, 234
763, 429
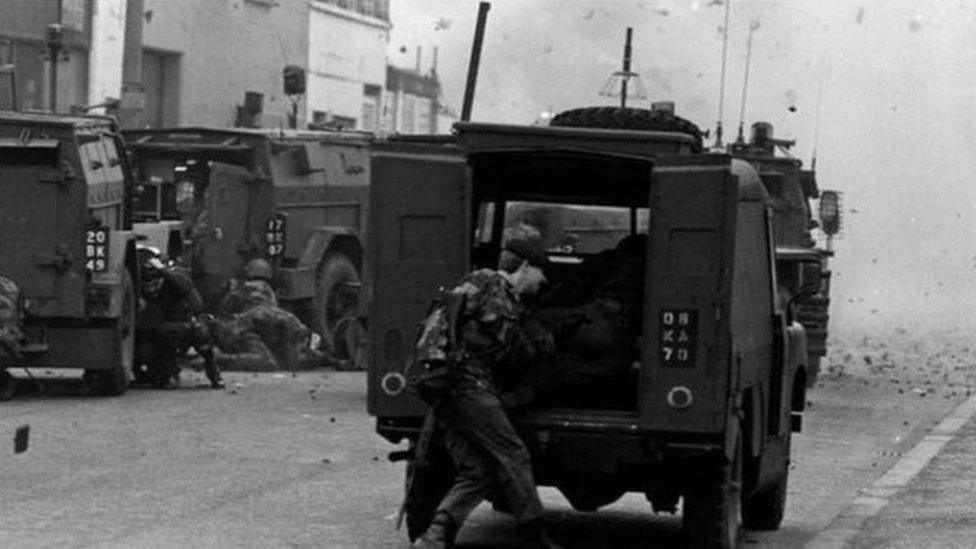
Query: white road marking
848, 523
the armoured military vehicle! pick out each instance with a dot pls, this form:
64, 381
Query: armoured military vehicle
699, 394
67, 247
791, 188
214, 198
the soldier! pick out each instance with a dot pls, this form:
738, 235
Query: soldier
479, 436
254, 290
167, 323
257, 335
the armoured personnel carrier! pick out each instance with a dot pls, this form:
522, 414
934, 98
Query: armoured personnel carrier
698, 392
792, 187
67, 247
215, 198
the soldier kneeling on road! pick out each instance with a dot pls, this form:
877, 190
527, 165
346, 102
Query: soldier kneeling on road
168, 324
254, 334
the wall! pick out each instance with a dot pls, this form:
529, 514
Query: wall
108, 43
227, 47
347, 52
25, 22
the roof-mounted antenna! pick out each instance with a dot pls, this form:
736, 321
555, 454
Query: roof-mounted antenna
721, 89
753, 27
816, 121
624, 76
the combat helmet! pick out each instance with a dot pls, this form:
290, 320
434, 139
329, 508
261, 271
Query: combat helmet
258, 268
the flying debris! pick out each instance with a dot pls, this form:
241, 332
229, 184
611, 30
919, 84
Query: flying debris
443, 24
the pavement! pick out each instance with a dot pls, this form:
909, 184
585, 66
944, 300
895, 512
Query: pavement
925, 500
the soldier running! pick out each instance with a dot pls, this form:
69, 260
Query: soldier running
479, 436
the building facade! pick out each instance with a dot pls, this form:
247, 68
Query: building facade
348, 41
23, 45
414, 103
220, 63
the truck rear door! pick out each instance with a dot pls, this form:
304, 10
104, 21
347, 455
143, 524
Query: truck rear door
684, 379
41, 244
419, 240
224, 242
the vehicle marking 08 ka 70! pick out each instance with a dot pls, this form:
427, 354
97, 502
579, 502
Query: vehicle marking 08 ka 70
678, 331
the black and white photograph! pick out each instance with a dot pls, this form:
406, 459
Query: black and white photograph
487, 274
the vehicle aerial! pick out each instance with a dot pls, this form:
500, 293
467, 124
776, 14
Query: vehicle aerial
67, 245
696, 400
212, 199
792, 187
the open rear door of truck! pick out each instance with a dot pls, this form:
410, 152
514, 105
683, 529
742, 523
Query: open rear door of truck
684, 380
419, 240
226, 242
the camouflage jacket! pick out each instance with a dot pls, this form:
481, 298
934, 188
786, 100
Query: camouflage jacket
495, 348
241, 296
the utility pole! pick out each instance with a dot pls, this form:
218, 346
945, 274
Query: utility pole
133, 96
626, 71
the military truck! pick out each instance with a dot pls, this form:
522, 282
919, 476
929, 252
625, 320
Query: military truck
67, 247
710, 383
214, 198
791, 188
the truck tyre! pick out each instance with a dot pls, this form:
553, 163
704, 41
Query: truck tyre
115, 380
712, 506
627, 118
335, 307
764, 509
588, 499
813, 371
8, 385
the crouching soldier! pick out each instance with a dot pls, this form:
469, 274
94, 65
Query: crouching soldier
168, 325
254, 334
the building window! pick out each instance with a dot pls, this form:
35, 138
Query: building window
409, 114
423, 116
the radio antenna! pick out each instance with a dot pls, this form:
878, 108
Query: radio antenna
721, 87
753, 27
816, 120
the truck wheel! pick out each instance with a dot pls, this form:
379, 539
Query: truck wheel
764, 509
627, 118
813, 371
590, 498
336, 304
8, 385
114, 381
712, 507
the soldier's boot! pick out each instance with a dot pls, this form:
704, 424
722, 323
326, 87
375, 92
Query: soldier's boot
535, 536
210, 368
439, 535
